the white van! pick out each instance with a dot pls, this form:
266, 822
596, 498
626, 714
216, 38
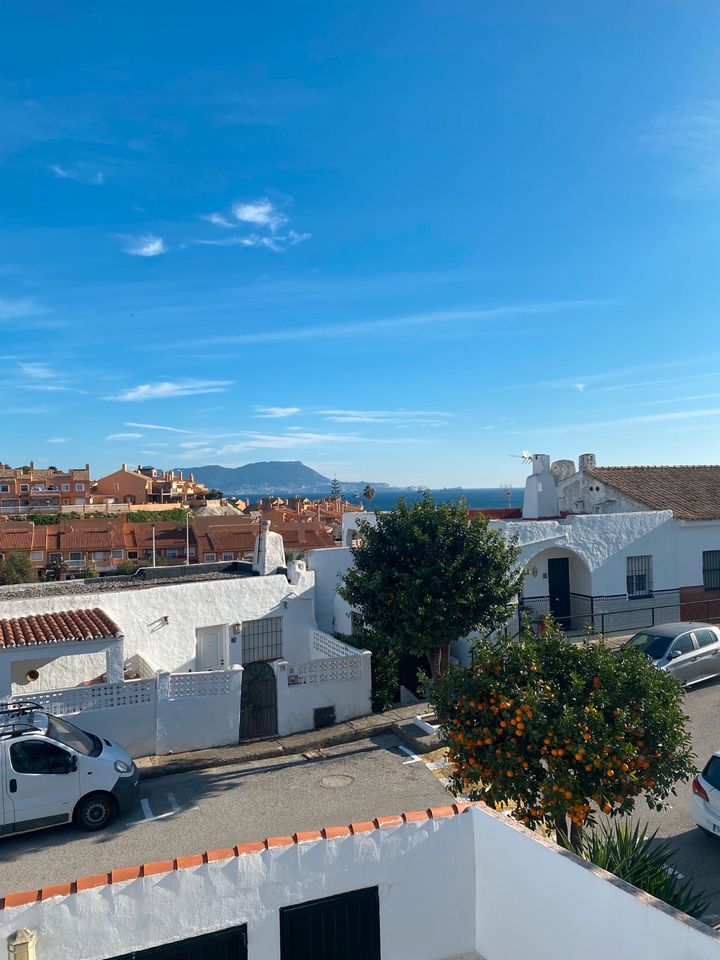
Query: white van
52, 773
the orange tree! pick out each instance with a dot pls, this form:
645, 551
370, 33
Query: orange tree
563, 730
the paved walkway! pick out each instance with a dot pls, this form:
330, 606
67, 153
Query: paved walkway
296, 743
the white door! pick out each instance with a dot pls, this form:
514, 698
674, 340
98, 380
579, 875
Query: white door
210, 648
41, 783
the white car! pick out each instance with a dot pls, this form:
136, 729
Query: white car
705, 797
52, 772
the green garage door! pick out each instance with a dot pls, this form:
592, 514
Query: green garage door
223, 945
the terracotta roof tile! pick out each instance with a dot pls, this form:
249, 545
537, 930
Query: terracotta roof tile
63, 627
692, 493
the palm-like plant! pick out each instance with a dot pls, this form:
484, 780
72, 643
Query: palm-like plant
636, 856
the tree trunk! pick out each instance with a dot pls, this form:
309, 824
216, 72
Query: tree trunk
439, 660
575, 836
561, 831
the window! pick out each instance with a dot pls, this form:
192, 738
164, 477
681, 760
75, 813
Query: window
116, 487
209, 558
4, 488
192, 552
639, 577
171, 554
99, 555
79, 487
262, 639
36, 554
76, 555
683, 644
705, 638
54, 557
343, 927
24, 488
65, 487
38, 756
117, 554
221, 945
228, 556
711, 569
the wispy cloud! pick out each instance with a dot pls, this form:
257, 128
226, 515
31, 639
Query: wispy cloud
40, 371
292, 439
166, 389
57, 440
462, 318
688, 140
19, 308
156, 426
80, 173
147, 245
648, 419
261, 213
274, 412
427, 418
692, 397
124, 436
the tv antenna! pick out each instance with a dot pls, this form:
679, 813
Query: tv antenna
525, 456
507, 491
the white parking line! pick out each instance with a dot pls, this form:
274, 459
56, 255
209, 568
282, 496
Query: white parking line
149, 815
147, 810
415, 757
173, 803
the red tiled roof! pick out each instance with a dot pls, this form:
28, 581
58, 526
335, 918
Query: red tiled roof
125, 874
692, 493
61, 627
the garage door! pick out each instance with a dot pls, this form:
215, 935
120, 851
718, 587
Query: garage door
346, 927
224, 945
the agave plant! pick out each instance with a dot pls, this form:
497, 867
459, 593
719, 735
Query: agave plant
636, 856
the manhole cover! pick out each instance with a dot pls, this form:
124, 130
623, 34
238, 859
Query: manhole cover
336, 780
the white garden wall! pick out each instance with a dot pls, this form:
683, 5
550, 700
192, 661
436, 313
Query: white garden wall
448, 886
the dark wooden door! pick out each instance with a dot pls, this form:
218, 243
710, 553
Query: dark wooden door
222, 945
258, 701
345, 927
559, 590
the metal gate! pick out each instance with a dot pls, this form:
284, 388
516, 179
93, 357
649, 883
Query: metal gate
258, 701
224, 945
345, 927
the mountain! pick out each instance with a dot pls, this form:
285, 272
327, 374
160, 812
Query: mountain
269, 476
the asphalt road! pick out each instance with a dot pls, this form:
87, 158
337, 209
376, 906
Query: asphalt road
209, 809
697, 853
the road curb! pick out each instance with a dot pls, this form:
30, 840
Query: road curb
359, 729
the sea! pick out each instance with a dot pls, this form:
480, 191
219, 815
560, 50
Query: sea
476, 497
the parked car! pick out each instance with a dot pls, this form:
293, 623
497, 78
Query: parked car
52, 772
705, 796
688, 651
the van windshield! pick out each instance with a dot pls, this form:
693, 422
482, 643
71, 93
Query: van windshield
650, 644
66, 733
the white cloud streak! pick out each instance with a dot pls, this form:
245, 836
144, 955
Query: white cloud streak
124, 436
274, 412
157, 426
147, 245
167, 389
40, 371
15, 309
261, 213
79, 173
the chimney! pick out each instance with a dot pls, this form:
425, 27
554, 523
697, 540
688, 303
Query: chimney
587, 461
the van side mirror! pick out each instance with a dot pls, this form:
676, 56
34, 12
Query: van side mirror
73, 763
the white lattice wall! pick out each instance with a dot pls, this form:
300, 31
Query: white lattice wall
323, 645
327, 670
97, 696
214, 683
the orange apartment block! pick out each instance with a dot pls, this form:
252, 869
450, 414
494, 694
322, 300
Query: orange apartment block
32, 490
149, 485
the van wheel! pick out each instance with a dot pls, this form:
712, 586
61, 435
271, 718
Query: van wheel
94, 811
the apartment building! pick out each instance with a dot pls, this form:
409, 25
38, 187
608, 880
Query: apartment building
150, 485
29, 489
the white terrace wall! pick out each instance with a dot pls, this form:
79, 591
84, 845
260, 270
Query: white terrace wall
330, 564
140, 613
535, 901
169, 713
413, 865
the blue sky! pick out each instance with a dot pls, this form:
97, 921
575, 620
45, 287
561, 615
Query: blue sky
398, 241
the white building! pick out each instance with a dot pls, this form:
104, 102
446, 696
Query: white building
614, 548
248, 638
441, 884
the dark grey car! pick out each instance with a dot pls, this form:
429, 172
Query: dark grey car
689, 651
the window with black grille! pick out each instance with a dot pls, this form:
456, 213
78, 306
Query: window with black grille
228, 944
262, 639
639, 577
711, 569
344, 927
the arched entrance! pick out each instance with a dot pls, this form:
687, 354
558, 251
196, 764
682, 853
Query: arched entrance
258, 701
558, 581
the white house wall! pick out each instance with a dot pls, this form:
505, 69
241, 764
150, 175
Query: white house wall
330, 564
140, 613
